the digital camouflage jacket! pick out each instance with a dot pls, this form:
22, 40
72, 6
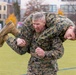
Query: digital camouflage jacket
50, 40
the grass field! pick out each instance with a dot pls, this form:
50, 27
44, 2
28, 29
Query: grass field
67, 64
12, 63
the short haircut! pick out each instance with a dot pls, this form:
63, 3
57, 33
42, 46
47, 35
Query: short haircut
38, 15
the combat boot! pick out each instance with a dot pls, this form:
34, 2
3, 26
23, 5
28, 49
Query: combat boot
9, 28
3, 39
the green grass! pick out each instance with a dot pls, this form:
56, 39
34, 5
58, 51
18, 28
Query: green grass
12, 63
67, 64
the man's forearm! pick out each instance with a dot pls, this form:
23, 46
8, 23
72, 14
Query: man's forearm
12, 43
54, 54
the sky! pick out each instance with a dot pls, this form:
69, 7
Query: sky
23, 2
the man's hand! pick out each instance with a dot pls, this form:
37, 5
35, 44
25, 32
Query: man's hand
21, 42
40, 52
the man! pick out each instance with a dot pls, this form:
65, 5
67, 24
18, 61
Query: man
48, 32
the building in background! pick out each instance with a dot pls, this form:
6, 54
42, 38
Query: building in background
51, 5
67, 6
6, 8
46, 5
3, 13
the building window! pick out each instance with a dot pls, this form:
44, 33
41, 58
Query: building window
45, 8
64, 8
4, 16
19, 1
71, 9
9, 1
0, 15
68, 8
4, 7
74, 7
5, 0
53, 8
0, 7
14, 0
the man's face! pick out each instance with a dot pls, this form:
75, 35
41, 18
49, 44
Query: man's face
70, 35
38, 25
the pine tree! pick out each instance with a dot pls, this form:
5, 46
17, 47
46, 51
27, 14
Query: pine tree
16, 10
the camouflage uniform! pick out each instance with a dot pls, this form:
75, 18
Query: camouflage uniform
50, 41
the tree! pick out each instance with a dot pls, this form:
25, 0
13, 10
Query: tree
72, 10
60, 12
33, 6
16, 8
12, 18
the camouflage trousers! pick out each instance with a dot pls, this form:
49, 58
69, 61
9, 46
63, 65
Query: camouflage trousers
45, 71
36, 68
